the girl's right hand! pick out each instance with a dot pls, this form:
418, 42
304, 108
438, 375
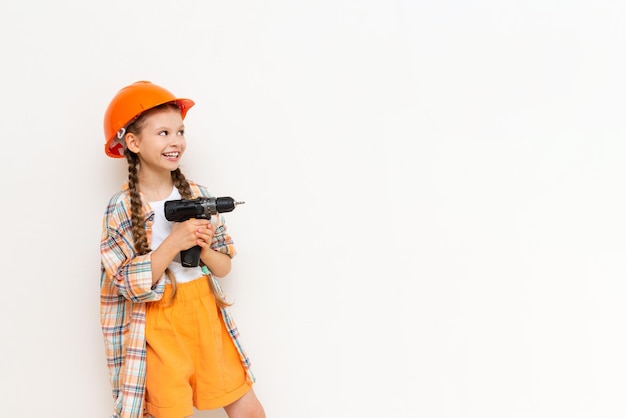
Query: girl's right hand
184, 235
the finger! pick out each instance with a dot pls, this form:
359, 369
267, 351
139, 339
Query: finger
203, 223
205, 234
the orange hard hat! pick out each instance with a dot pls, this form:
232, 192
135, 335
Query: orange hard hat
129, 103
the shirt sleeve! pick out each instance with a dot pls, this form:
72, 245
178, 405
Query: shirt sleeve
222, 241
131, 274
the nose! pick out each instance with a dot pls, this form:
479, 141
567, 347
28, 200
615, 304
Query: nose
177, 140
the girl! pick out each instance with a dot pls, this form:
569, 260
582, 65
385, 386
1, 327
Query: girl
170, 341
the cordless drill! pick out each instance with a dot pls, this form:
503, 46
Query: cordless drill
198, 208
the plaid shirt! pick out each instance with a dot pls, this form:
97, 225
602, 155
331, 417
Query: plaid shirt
125, 287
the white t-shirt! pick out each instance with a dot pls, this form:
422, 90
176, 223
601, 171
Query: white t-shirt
160, 230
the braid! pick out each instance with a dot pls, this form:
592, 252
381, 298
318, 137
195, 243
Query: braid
181, 183
136, 206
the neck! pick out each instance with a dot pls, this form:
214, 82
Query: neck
155, 188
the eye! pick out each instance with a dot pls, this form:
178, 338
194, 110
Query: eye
163, 133
181, 132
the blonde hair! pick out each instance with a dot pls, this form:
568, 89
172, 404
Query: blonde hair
140, 238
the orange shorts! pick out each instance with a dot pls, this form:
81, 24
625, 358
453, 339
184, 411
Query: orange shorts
191, 358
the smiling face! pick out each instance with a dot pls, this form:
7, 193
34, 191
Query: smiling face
159, 140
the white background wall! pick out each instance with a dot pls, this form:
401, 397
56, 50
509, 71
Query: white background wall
434, 197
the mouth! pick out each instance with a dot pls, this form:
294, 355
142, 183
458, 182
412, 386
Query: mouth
171, 155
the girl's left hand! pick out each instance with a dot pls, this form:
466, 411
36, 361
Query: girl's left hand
205, 235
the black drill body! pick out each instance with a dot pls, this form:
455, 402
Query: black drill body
198, 208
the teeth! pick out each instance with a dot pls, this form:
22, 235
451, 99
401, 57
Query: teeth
171, 154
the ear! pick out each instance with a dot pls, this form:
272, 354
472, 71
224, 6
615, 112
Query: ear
132, 142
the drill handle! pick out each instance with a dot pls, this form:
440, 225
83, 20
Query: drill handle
190, 257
